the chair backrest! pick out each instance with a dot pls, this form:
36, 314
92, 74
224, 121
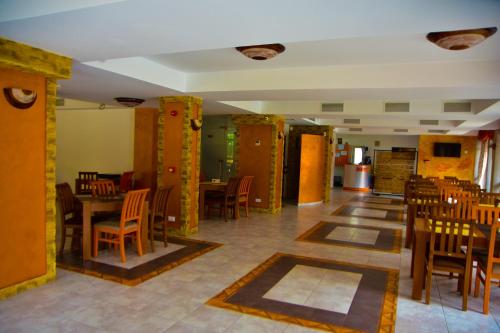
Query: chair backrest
447, 236
486, 215
126, 181
464, 205
66, 199
488, 198
83, 181
160, 202
133, 207
103, 188
493, 251
232, 187
244, 187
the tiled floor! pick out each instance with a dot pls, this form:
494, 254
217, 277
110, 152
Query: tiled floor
175, 300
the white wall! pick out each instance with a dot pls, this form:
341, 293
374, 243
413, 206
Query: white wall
93, 140
386, 142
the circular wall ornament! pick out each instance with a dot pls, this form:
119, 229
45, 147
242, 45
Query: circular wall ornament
20, 98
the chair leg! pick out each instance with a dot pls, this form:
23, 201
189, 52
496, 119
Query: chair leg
165, 244
63, 239
152, 235
122, 248
486, 299
428, 287
246, 208
95, 244
139, 243
465, 291
477, 283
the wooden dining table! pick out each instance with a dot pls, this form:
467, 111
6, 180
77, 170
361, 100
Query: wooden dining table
422, 238
107, 204
208, 186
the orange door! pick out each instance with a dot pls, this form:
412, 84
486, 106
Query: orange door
312, 168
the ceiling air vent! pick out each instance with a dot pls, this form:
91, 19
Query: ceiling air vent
438, 131
332, 107
457, 107
352, 121
401, 130
429, 122
60, 102
355, 129
397, 107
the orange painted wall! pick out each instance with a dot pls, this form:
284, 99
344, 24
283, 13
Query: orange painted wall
195, 155
172, 157
145, 148
431, 166
255, 160
22, 179
312, 168
279, 165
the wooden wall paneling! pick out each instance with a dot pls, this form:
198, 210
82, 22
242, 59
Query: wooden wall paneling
312, 168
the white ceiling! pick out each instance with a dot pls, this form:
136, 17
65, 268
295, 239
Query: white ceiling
360, 53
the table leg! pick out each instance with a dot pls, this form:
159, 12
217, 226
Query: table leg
145, 228
418, 265
201, 208
409, 225
87, 231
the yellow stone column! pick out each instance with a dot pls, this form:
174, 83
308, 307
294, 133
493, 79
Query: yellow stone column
179, 159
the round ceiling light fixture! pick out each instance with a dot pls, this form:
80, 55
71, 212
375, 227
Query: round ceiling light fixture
261, 52
129, 102
460, 39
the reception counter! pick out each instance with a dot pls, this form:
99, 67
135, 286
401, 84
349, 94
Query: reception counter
357, 177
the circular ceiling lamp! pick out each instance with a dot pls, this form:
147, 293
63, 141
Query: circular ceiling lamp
261, 52
129, 102
460, 39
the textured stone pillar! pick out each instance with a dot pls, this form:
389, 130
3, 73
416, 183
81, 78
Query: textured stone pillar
179, 159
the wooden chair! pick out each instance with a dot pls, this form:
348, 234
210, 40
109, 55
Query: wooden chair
71, 215
226, 202
244, 192
485, 215
445, 253
82, 183
102, 188
129, 224
126, 181
489, 198
464, 205
158, 218
488, 267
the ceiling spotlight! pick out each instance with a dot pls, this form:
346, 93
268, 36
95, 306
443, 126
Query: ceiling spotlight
129, 102
261, 52
460, 39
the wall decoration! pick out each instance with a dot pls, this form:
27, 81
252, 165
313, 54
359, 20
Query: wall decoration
20, 98
196, 124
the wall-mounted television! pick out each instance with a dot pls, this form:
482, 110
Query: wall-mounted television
443, 149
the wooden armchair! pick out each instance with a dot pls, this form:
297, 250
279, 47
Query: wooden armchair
71, 215
126, 181
244, 193
489, 198
129, 225
158, 218
226, 202
446, 254
102, 188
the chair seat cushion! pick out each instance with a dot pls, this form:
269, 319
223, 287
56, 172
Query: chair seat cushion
483, 260
113, 224
454, 263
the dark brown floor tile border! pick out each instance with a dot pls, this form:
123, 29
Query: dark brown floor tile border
245, 296
193, 248
365, 199
389, 239
395, 216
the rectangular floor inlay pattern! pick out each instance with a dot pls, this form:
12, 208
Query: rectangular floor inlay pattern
366, 237
317, 293
388, 215
377, 200
137, 269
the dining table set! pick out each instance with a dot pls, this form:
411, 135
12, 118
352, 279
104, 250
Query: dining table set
452, 224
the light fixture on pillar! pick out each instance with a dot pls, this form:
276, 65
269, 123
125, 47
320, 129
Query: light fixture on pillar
129, 102
261, 52
20, 98
196, 124
460, 39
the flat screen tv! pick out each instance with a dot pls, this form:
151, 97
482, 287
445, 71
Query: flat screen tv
442, 149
